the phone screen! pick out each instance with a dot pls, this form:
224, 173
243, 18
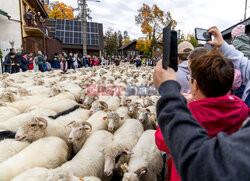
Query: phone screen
202, 34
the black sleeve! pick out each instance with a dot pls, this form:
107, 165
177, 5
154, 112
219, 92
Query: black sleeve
196, 156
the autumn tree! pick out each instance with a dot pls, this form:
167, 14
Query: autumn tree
152, 20
126, 41
190, 38
144, 46
59, 10
120, 39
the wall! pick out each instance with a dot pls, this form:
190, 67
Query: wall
10, 30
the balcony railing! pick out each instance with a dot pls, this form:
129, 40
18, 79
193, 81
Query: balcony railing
36, 24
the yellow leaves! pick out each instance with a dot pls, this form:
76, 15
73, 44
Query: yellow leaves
143, 45
152, 20
61, 11
126, 41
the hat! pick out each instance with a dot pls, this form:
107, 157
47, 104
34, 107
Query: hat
239, 30
185, 47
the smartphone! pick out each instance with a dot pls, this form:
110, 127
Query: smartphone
202, 34
170, 48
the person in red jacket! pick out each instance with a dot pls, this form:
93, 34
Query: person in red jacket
211, 78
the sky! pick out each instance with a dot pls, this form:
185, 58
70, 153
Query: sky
189, 14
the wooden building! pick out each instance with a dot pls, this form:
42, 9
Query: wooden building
129, 50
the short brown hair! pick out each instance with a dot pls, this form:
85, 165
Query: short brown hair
214, 73
197, 52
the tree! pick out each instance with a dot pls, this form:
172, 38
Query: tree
152, 21
1, 55
126, 41
79, 14
145, 46
120, 39
60, 11
111, 39
190, 38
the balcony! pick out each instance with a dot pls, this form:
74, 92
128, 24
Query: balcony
35, 28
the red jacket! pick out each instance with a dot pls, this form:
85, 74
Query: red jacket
226, 113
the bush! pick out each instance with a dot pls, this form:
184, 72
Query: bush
1, 55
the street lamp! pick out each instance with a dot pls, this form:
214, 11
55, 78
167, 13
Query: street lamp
82, 5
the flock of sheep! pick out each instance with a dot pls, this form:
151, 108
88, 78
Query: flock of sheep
81, 125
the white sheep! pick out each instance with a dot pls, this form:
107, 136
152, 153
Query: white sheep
10, 147
14, 123
38, 127
44, 174
114, 121
7, 113
125, 138
79, 134
89, 161
48, 152
147, 118
146, 162
58, 106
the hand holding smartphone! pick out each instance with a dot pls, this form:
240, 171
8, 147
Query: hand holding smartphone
202, 34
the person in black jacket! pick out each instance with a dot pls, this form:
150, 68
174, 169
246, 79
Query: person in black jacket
9, 62
25, 61
196, 156
70, 61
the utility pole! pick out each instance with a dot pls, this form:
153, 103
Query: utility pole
84, 23
83, 7
245, 16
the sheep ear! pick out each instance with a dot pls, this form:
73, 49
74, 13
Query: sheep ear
129, 101
141, 171
42, 122
122, 118
104, 118
148, 110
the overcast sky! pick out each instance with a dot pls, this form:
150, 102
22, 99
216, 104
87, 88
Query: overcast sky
189, 14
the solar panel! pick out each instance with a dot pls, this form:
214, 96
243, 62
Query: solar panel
70, 32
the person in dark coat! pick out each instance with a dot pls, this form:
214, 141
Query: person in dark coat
70, 61
29, 17
41, 61
9, 62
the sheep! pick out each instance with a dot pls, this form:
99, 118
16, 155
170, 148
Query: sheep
40, 153
96, 120
42, 174
133, 110
98, 106
125, 138
30, 101
146, 162
14, 123
88, 101
65, 112
10, 147
7, 113
114, 121
58, 106
146, 118
79, 134
147, 102
113, 103
89, 161
39, 127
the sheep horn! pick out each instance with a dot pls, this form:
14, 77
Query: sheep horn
43, 121
140, 170
104, 104
88, 124
71, 123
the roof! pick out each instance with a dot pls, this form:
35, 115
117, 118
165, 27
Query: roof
2, 12
126, 45
229, 30
39, 7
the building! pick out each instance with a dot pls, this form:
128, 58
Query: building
16, 32
227, 33
129, 50
71, 34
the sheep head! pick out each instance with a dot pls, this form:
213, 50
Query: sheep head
99, 106
133, 109
115, 155
143, 115
32, 130
87, 103
129, 175
79, 130
113, 120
